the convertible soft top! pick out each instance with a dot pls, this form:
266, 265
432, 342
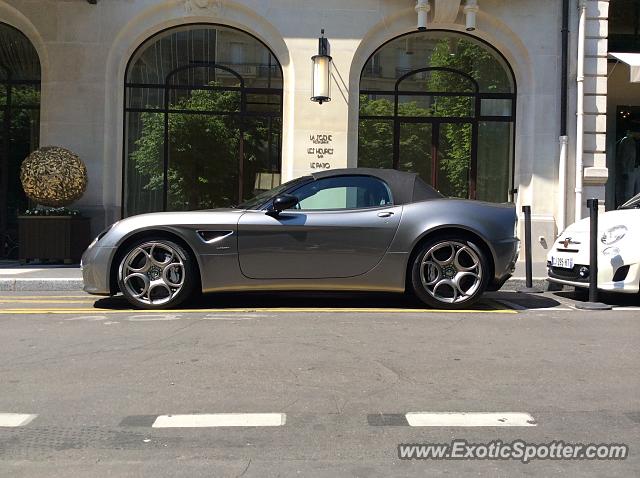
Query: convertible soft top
405, 187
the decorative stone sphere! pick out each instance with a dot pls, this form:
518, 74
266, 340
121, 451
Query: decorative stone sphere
53, 176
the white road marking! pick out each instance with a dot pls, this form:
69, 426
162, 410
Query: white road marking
469, 419
154, 318
229, 317
90, 318
15, 419
549, 309
165, 317
221, 420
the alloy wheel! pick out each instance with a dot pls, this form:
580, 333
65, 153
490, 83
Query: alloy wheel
451, 272
153, 273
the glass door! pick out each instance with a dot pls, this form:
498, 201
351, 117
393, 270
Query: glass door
441, 153
455, 176
205, 138
416, 150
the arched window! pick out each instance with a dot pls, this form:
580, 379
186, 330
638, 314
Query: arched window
203, 120
19, 127
441, 104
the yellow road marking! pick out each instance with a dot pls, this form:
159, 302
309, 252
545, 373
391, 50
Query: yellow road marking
53, 301
250, 309
20, 297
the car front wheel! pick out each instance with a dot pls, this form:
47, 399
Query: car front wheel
449, 272
156, 273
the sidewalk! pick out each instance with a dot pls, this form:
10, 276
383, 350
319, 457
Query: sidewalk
16, 277
36, 277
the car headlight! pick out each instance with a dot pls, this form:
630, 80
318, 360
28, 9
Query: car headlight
613, 234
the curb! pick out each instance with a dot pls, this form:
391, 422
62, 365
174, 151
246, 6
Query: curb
53, 284
34, 285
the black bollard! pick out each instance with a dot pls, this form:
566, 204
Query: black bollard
593, 303
528, 261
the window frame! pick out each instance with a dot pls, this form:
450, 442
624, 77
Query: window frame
245, 113
396, 119
8, 112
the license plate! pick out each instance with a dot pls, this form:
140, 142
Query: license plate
562, 262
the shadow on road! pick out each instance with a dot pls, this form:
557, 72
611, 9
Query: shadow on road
524, 301
314, 301
616, 300
317, 301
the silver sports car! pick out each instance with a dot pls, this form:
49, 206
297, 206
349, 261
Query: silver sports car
337, 230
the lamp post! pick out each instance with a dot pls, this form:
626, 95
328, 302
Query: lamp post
321, 73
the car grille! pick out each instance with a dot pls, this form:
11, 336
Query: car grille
567, 274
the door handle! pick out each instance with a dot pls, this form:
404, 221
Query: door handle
385, 214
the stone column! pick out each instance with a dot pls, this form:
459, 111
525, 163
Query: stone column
595, 101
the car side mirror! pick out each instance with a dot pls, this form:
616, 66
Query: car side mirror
284, 201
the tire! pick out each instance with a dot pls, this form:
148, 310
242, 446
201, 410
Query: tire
449, 272
156, 273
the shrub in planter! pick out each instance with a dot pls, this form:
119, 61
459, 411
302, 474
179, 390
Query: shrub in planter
54, 177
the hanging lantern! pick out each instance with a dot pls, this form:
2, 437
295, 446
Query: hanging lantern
321, 72
470, 11
422, 9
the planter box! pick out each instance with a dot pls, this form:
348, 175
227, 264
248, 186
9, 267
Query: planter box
53, 238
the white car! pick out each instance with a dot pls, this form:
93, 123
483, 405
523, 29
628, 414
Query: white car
618, 251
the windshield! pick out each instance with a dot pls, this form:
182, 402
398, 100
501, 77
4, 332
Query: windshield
632, 203
261, 198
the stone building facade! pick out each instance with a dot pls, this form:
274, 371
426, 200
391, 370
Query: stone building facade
114, 73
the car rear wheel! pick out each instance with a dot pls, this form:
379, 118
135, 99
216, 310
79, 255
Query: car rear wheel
449, 272
156, 273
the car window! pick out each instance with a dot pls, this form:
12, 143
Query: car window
262, 197
343, 192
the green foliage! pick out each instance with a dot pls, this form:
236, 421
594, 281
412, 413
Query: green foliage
376, 142
478, 63
204, 150
376, 136
455, 141
22, 118
472, 59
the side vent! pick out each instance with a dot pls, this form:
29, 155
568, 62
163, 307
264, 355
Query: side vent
213, 236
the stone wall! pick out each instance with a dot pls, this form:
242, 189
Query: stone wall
85, 48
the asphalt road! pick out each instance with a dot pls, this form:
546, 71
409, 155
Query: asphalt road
337, 373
